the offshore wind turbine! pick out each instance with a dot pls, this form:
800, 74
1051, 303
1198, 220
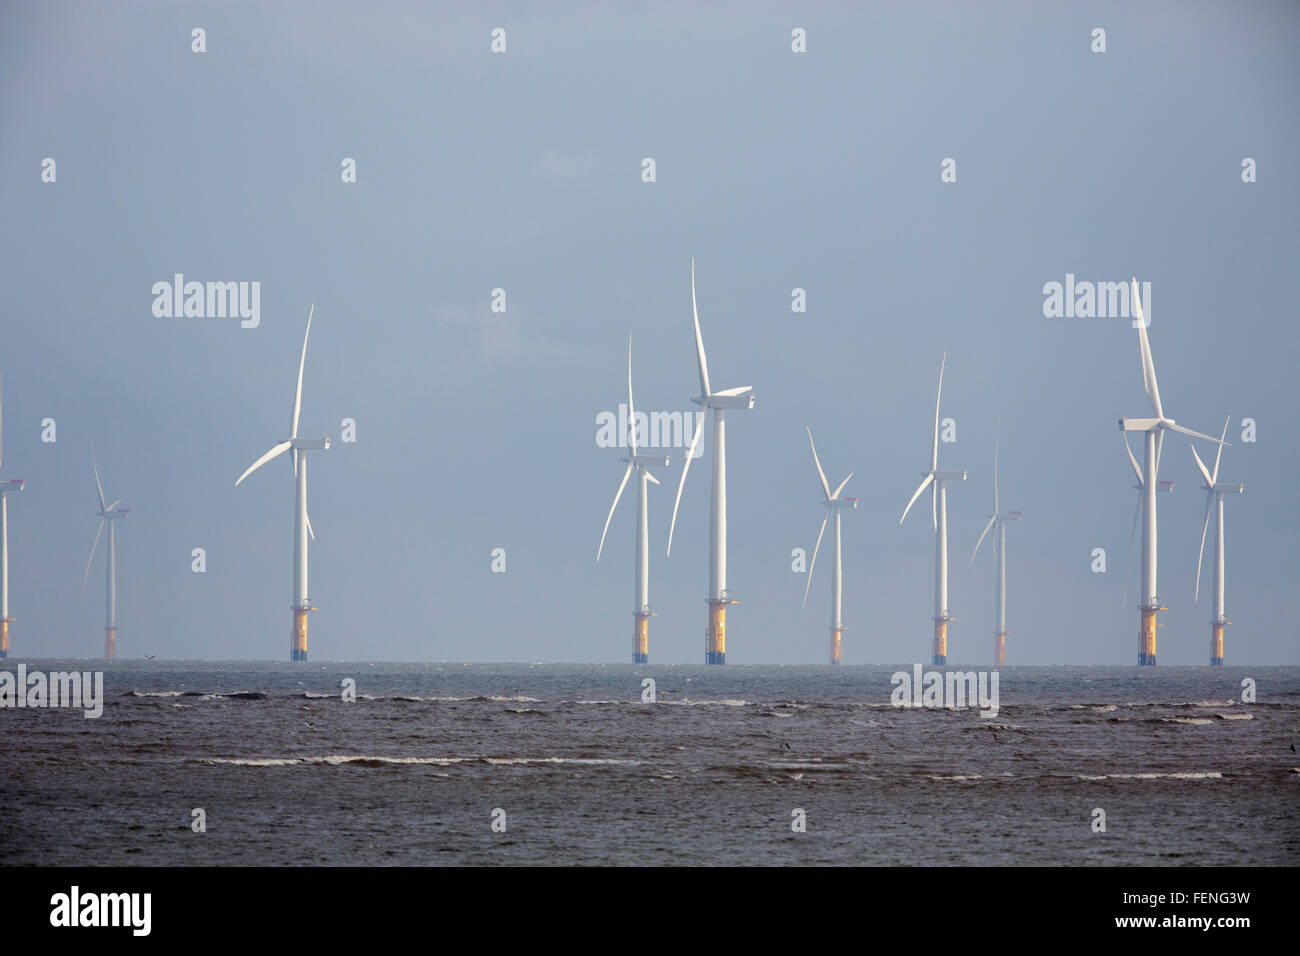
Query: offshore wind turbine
7, 488
939, 515
998, 524
107, 515
1154, 429
1214, 493
742, 396
301, 523
832, 502
640, 464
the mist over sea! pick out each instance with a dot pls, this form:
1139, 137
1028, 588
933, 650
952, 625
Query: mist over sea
412, 771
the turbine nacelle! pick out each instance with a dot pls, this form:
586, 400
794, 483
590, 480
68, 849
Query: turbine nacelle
942, 475
12, 485
841, 503
309, 444
1222, 489
646, 461
741, 397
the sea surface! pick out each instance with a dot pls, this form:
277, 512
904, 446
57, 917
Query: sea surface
580, 771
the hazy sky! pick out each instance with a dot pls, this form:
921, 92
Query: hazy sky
523, 171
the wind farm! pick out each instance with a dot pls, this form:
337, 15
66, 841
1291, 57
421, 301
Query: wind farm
833, 504
937, 480
719, 402
998, 521
638, 465
109, 514
8, 488
300, 602
1214, 492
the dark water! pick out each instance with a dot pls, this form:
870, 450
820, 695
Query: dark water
411, 772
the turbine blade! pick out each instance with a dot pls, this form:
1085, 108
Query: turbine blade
1132, 536
934, 505
1187, 431
89, 561
699, 429
934, 452
825, 518
817, 461
297, 395
114, 505
1209, 504
925, 482
981, 540
1205, 472
95, 465
651, 478
1144, 346
1127, 447
1219, 453
1160, 444
631, 409
841, 487
618, 494
700, 358
2, 423
277, 450
997, 442
309, 530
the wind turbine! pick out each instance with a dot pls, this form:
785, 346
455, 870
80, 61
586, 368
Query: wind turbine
301, 523
939, 515
832, 502
641, 581
1154, 428
1214, 493
107, 515
10, 487
715, 636
998, 524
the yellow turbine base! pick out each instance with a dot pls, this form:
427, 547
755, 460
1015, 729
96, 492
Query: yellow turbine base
1000, 648
298, 637
941, 642
836, 633
4, 637
1216, 643
641, 640
110, 643
1147, 637
715, 638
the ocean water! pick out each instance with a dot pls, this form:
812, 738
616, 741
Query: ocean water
581, 771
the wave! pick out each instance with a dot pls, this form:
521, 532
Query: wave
1179, 775
372, 760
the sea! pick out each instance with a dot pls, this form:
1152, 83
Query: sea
349, 763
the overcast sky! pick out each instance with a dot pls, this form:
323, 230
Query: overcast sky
522, 170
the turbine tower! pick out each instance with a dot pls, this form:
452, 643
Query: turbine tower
1214, 493
832, 502
107, 515
1154, 428
939, 515
641, 464
301, 523
7, 488
998, 524
715, 635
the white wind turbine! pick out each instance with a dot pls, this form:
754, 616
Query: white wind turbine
832, 502
1154, 428
939, 515
107, 515
1214, 493
301, 523
7, 488
715, 636
641, 580
998, 524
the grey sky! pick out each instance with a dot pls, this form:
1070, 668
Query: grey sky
522, 171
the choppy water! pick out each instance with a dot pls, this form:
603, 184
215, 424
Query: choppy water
410, 773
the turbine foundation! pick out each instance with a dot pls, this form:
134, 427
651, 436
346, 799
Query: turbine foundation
641, 639
941, 640
110, 643
1000, 648
1216, 643
715, 636
1147, 638
4, 638
298, 637
836, 633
